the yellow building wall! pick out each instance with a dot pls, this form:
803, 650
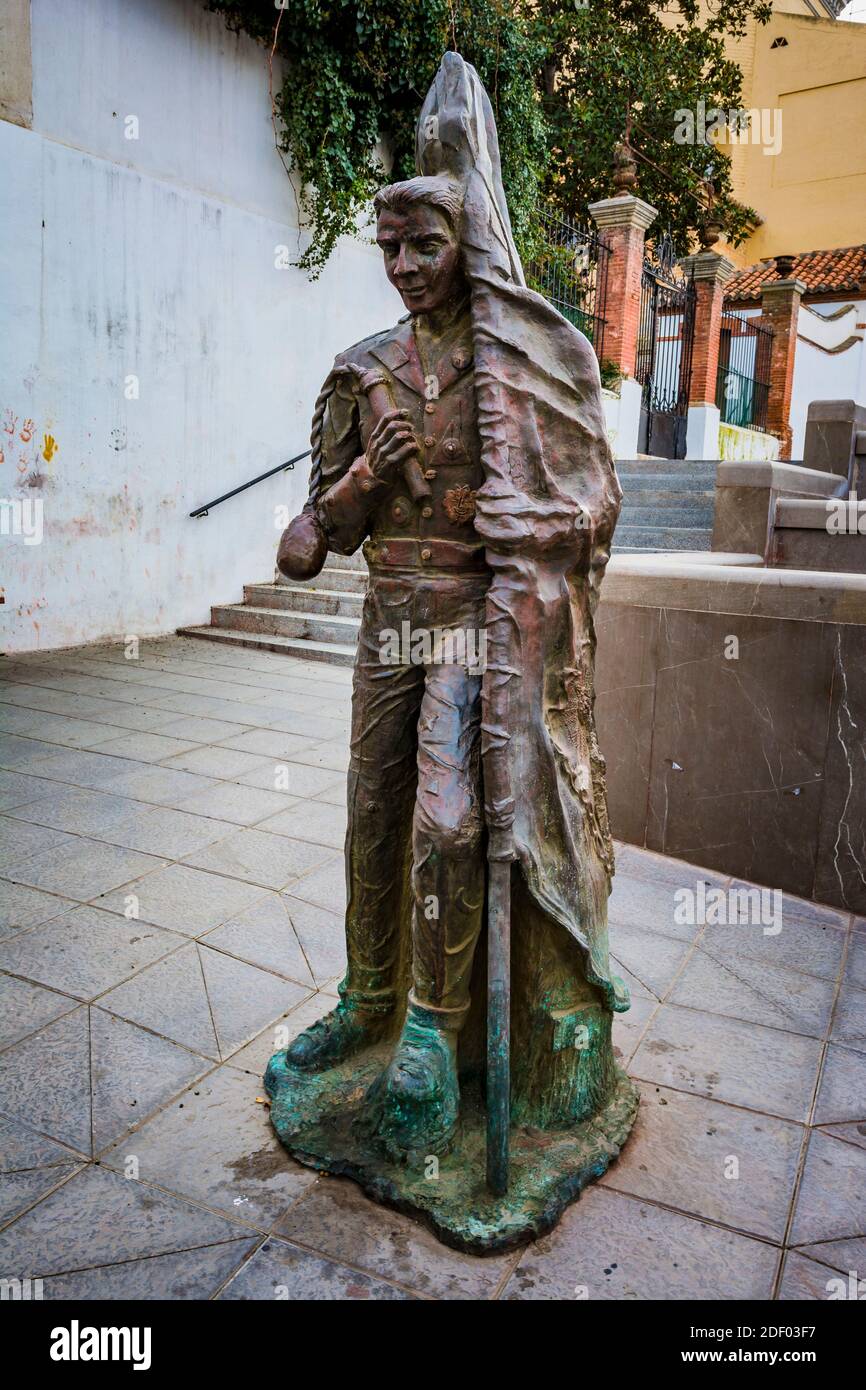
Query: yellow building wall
812, 194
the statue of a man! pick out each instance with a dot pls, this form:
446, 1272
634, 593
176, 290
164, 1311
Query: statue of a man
465, 449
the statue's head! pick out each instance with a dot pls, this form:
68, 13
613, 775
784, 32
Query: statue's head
418, 229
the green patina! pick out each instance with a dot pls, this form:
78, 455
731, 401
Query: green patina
328, 1121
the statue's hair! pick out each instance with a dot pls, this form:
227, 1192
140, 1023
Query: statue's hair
439, 192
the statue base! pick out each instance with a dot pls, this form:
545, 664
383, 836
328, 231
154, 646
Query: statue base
320, 1118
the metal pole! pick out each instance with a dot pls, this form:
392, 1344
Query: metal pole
498, 1025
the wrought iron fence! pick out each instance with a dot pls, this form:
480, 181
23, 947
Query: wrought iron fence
570, 269
743, 378
663, 360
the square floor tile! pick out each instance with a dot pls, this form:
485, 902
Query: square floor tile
146, 747
264, 936
22, 907
322, 936
162, 831
324, 888
18, 790
294, 779
45, 1080
755, 991
24, 1008
187, 1274
186, 899
810, 947
842, 1093
204, 1000
101, 1218
20, 840
725, 1059
831, 1202
225, 763
82, 869
339, 1221
267, 743
86, 951
159, 786
609, 1246
133, 1074
311, 820
80, 769
849, 1020
79, 810
710, 1160
241, 805
215, 1145
653, 902
280, 1271
273, 861
651, 958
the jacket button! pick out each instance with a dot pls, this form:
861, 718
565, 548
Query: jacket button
426, 511
426, 554
429, 441
429, 408
430, 474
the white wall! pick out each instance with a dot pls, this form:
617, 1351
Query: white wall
820, 373
155, 258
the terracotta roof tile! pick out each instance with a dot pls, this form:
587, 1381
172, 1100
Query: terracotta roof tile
842, 271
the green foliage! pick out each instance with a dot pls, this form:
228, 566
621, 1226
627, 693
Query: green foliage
605, 60
561, 76
356, 73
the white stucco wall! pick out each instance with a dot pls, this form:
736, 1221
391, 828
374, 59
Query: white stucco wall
822, 371
153, 258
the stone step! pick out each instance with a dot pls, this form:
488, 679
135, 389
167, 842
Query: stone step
347, 562
665, 516
305, 600
680, 468
346, 581
319, 627
662, 538
335, 653
662, 489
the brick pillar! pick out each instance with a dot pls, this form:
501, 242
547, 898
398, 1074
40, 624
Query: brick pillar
711, 273
780, 307
623, 221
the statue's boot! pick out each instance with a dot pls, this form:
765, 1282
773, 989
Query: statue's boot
416, 1099
347, 1029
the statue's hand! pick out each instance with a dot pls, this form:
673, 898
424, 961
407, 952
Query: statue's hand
391, 442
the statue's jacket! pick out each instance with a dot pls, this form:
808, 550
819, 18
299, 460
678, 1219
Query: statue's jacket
438, 394
518, 407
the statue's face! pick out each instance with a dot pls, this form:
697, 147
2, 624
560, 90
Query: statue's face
422, 256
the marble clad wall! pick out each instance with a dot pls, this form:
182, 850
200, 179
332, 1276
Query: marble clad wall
754, 764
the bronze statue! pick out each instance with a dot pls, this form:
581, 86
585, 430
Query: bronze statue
466, 450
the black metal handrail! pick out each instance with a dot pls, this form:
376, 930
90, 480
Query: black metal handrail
280, 468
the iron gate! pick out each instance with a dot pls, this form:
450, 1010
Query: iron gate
663, 366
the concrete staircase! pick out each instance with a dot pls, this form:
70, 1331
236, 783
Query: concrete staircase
317, 619
667, 504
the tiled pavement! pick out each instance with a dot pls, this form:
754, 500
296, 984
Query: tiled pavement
172, 891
